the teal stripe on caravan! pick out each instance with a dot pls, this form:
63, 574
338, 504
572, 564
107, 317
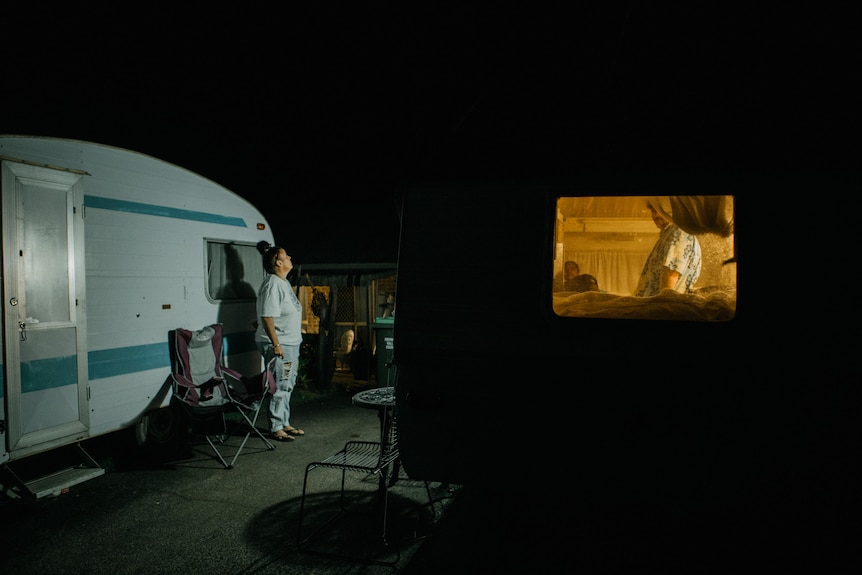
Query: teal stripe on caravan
49, 373
59, 371
239, 342
121, 360
153, 210
56, 372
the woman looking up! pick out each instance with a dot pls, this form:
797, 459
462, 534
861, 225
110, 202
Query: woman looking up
279, 335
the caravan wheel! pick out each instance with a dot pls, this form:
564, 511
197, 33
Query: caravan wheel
160, 427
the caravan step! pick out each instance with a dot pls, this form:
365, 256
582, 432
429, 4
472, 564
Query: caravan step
53, 475
56, 483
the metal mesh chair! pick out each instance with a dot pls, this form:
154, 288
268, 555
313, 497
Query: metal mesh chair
374, 458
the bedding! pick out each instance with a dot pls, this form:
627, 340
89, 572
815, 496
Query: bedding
708, 304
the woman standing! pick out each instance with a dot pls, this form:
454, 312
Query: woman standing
279, 335
675, 261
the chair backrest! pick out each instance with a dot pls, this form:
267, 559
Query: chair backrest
196, 365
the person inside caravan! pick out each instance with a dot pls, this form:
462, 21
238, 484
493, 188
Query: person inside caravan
675, 260
564, 281
585, 282
279, 334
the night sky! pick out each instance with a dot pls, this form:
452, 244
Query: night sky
319, 114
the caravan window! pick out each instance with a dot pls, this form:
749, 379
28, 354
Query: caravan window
611, 240
234, 270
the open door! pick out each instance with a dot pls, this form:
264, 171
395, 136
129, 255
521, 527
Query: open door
44, 319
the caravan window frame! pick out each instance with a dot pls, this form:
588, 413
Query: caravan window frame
216, 272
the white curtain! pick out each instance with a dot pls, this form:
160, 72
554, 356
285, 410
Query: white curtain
617, 272
235, 271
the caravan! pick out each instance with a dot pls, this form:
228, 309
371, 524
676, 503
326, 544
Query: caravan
105, 251
703, 395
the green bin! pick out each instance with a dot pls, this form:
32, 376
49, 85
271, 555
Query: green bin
384, 333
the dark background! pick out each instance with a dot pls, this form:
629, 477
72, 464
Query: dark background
320, 114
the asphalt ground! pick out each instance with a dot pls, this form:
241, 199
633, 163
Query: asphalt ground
189, 515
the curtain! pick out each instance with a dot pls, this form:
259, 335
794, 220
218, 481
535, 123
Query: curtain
617, 272
697, 214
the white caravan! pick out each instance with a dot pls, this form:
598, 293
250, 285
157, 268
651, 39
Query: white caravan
104, 251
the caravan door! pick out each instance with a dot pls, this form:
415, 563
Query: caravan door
44, 320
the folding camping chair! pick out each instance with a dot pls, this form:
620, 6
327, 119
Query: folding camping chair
208, 390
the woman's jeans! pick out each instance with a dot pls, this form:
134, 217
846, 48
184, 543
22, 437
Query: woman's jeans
279, 404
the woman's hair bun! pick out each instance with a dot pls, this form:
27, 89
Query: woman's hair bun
263, 246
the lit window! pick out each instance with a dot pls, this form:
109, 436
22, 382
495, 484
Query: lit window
645, 257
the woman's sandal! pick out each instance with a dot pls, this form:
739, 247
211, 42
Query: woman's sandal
293, 430
281, 435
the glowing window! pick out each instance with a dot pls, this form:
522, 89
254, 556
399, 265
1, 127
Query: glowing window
645, 257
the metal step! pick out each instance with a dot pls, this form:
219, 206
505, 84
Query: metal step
51, 480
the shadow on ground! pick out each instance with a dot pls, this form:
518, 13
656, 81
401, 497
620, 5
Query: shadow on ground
346, 532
